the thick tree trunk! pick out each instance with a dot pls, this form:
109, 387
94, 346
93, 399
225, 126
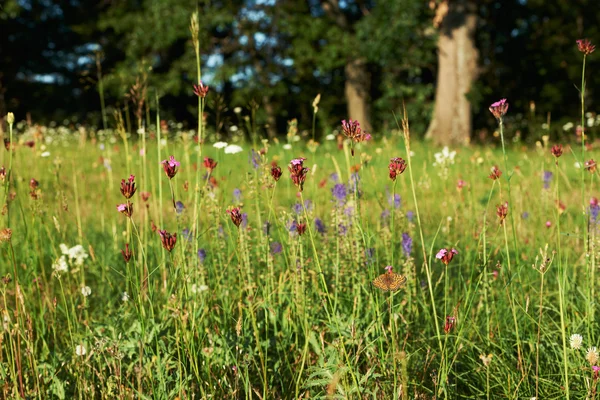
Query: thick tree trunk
358, 82
457, 70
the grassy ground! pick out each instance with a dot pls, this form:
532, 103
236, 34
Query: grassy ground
261, 311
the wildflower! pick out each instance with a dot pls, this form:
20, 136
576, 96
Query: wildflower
179, 207
557, 151
592, 355
499, 109
446, 255
353, 131
237, 195
80, 350
596, 370
86, 291
450, 324
410, 215
201, 90
255, 159
233, 149
209, 164
61, 264
198, 288
486, 360
220, 145
548, 224
406, 244
339, 192
244, 220
170, 166
201, 255
298, 172
502, 211
5, 235
397, 166
276, 172
235, 215
547, 177
276, 248
124, 297
496, 173
297, 208
125, 208
320, 226
128, 187
460, 184
45, 154
145, 196
585, 46
590, 165
168, 241
525, 215
2, 174
575, 341
33, 184
126, 253
395, 201
10, 118
301, 228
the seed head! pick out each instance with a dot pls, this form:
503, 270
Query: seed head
276, 172
592, 356
557, 151
502, 211
450, 324
575, 341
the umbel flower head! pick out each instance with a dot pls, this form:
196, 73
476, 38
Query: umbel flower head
585, 46
499, 109
168, 241
298, 172
236, 215
170, 166
446, 255
201, 90
128, 187
396, 167
353, 131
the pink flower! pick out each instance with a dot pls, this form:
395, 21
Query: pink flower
170, 166
389, 268
353, 131
585, 46
548, 224
298, 172
201, 90
126, 208
446, 255
596, 370
499, 108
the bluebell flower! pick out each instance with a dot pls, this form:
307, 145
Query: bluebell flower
292, 226
594, 211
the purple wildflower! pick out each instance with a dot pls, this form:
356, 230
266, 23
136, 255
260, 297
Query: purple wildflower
410, 216
186, 234
406, 244
320, 226
339, 192
394, 201
276, 248
385, 216
179, 207
525, 215
334, 177
201, 255
255, 159
297, 208
237, 195
342, 229
244, 220
547, 177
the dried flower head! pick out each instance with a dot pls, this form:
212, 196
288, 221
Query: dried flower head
298, 172
353, 132
450, 324
276, 172
575, 341
145, 196
128, 187
126, 253
502, 211
236, 215
396, 167
592, 356
590, 165
170, 166
168, 241
201, 90
495, 173
557, 150
5, 235
499, 109
209, 164
446, 255
585, 46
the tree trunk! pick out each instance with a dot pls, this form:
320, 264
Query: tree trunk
457, 70
358, 82
271, 125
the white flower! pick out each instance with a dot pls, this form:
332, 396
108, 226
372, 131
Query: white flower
445, 157
198, 288
287, 146
86, 291
233, 128
237, 110
125, 297
233, 149
568, 126
577, 165
61, 265
45, 154
220, 145
575, 341
592, 355
330, 137
80, 350
77, 255
296, 138
64, 248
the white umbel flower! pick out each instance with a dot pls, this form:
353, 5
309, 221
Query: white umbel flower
220, 145
233, 149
